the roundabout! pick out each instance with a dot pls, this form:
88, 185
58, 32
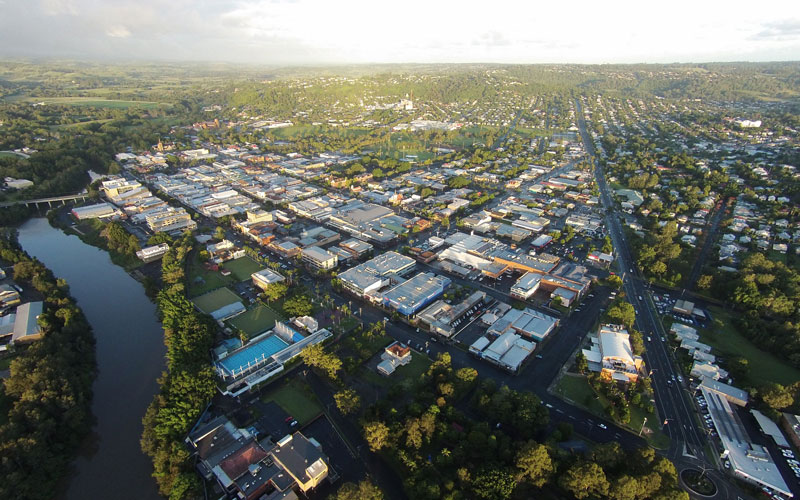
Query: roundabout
698, 482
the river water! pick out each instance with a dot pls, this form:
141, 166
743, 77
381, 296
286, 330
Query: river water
130, 357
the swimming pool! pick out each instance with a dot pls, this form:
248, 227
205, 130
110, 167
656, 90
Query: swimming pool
254, 353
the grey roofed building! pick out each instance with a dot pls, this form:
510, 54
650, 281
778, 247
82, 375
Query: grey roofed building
733, 394
526, 322
26, 326
375, 273
749, 460
266, 277
413, 294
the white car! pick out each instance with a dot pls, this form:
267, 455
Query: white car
602, 426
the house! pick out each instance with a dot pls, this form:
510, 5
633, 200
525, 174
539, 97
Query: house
395, 355
611, 354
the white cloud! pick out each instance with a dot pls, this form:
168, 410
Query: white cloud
118, 31
314, 31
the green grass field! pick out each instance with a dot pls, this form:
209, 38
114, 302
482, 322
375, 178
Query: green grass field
576, 388
727, 341
297, 399
419, 363
256, 320
242, 267
8, 154
212, 301
97, 102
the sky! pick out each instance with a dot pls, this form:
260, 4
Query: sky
310, 32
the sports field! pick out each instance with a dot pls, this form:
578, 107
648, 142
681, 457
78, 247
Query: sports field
256, 320
211, 301
242, 267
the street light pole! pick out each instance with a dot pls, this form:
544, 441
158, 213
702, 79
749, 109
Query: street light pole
642, 429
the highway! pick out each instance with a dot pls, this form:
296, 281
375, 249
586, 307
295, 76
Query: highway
670, 395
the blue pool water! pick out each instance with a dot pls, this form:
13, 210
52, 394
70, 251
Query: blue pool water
253, 353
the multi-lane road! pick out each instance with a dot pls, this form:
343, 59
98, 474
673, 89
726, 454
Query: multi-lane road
670, 394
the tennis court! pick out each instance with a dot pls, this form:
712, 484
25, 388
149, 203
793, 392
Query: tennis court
219, 298
256, 320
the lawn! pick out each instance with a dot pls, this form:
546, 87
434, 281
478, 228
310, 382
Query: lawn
727, 341
242, 267
419, 364
296, 398
256, 320
8, 154
212, 301
202, 280
576, 389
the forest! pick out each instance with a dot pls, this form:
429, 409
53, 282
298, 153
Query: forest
47, 398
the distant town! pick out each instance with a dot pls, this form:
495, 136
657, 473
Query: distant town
390, 293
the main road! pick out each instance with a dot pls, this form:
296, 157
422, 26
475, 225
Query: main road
675, 411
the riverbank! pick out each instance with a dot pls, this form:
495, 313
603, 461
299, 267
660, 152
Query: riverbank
46, 400
130, 358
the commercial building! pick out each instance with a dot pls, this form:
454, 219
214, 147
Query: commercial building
412, 295
97, 211
527, 322
730, 393
749, 461
611, 354
170, 220
566, 296
440, 317
319, 259
265, 277
770, 428
356, 247
376, 273
508, 351
249, 468
526, 286
152, 253
26, 323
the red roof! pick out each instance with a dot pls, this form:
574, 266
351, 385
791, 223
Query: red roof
238, 463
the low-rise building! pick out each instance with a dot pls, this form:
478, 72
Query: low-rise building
413, 294
319, 259
250, 468
97, 211
152, 253
26, 323
528, 323
265, 277
526, 286
611, 354
376, 273
394, 356
440, 317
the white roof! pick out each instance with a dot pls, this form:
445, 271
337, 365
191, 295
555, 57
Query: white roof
480, 344
616, 344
